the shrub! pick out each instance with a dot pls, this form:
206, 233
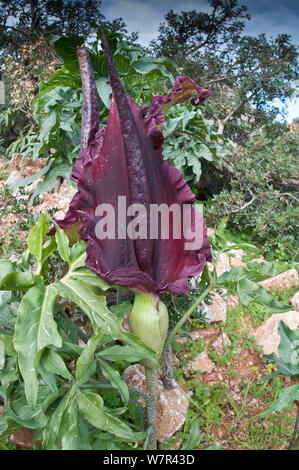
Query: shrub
262, 193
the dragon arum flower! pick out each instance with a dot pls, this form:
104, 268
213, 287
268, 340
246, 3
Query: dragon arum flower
124, 161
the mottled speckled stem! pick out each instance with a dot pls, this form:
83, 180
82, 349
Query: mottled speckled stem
294, 444
151, 408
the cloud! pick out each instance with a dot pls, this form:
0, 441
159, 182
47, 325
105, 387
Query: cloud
267, 16
145, 17
273, 18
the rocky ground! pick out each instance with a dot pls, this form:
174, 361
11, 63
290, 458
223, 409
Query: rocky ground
218, 365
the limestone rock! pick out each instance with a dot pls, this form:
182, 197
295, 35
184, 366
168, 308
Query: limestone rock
295, 300
222, 264
4, 162
234, 262
13, 177
220, 343
232, 301
260, 259
172, 404
267, 335
217, 310
202, 363
193, 334
282, 281
22, 438
237, 253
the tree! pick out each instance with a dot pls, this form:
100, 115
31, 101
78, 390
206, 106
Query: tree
246, 74
186, 34
23, 21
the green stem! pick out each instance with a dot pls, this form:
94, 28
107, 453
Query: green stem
185, 317
151, 407
294, 444
118, 295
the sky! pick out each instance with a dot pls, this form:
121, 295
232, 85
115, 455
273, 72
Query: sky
271, 17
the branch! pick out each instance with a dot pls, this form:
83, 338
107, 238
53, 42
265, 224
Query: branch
245, 205
221, 79
289, 194
22, 31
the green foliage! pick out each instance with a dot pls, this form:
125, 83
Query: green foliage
287, 365
263, 194
240, 70
74, 397
38, 342
189, 139
57, 108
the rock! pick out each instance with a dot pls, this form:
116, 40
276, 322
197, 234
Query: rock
13, 177
222, 264
267, 335
4, 162
282, 281
210, 231
238, 254
202, 363
177, 445
193, 334
172, 404
261, 259
217, 310
232, 301
234, 262
220, 343
295, 301
22, 438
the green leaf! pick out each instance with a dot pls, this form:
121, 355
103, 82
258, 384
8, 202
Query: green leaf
9, 375
51, 431
35, 329
2, 355
69, 432
115, 380
30, 179
66, 48
6, 267
86, 275
48, 248
6, 338
288, 349
119, 353
49, 379
250, 291
284, 400
62, 243
144, 67
87, 354
60, 167
52, 362
78, 251
35, 239
192, 439
104, 90
46, 125
19, 281
23, 414
8, 310
101, 317
91, 405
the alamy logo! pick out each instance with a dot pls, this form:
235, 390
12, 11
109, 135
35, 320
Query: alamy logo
154, 221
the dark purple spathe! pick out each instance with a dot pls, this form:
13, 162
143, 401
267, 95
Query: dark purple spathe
125, 159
